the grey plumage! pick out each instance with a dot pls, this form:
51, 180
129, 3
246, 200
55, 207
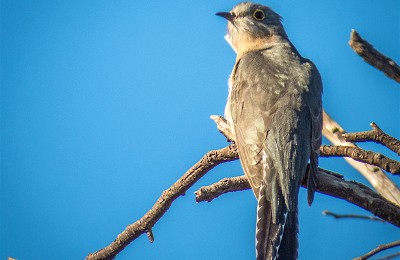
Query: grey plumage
275, 110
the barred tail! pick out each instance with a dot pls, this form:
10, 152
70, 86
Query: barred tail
268, 234
290, 242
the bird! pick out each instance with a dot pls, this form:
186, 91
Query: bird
274, 109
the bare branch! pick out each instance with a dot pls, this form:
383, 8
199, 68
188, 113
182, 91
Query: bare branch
333, 132
329, 183
379, 249
374, 57
208, 193
375, 135
361, 155
391, 256
150, 235
339, 216
378, 179
223, 127
144, 225
335, 187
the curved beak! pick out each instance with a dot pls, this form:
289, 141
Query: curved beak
228, 16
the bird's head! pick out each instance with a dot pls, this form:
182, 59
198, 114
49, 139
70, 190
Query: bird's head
252, 26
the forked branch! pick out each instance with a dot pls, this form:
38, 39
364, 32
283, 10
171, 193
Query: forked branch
334, 133
374, 135
146, 223
378, 179
361, 155
379, 249
329, 183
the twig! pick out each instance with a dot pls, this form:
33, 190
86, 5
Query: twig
361, 155
374, 57
143, 225
391, 256
378, 179
208, 193
150, 235
223, 127
329, 183
375, 135
339, 216
379, 249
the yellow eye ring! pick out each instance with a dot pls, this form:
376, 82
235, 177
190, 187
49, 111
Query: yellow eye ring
259, 15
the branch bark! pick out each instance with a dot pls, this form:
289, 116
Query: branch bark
378, 179
361, 155
374, 57
329, 183
375, 135
379, 249
223, 127
145, 224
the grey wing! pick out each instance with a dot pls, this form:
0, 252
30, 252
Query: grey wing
252, 107
314, 101
265, 114
271, 120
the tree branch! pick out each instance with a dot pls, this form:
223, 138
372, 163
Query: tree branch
339, 216
213, 191
145, 224
379, 249
391, 256
223, 127
374, 57
375, 135
329, 183
361, 155
378, 179
333, 132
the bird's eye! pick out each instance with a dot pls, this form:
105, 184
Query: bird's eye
259, 15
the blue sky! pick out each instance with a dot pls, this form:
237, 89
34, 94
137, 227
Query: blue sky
104, 104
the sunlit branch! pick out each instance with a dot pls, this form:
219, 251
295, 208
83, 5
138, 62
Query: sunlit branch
361, 155
379, 249
333, 132
145, 224
375, 135
375, 176
374, 57
329, 183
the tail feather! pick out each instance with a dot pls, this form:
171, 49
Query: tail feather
312, 178
288, 249
268, 233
